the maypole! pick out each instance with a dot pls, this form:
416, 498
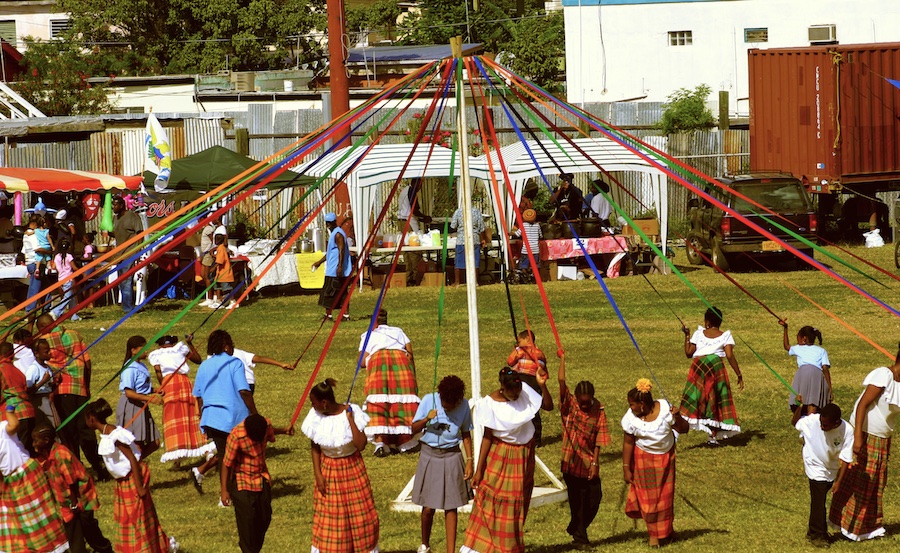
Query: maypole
468, 236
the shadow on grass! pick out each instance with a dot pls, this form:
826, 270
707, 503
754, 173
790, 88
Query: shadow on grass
178, 483
284, 489
550, 440
758, 500
741, 440
272, 451
638, 535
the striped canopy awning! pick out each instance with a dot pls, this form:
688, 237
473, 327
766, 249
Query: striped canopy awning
15, 179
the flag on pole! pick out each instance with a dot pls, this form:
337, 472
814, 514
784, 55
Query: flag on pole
158, 158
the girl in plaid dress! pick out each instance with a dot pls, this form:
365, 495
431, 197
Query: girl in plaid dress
29, 517
137, 525
648, 460
344, 516
707, 403
504, 479
856, 502
181, 423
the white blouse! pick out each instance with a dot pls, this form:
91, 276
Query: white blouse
12, 452
332, 433
509, 421
656, 436
116, 462
171, 359
709, 346
882, 414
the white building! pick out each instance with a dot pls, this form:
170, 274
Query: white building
646, 49
41, 19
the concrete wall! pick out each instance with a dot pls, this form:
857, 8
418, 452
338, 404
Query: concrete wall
620, 50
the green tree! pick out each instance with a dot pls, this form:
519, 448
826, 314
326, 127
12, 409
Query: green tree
686, 111
186, 36
536, 48
380, 17
56, 79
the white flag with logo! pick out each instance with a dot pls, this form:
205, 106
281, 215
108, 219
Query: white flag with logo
158, 156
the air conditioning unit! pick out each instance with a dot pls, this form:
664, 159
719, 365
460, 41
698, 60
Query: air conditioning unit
822, 34
244, 81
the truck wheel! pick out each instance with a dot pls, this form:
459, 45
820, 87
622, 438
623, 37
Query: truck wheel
693, 247
718, 258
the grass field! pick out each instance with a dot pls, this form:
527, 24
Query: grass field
749, 495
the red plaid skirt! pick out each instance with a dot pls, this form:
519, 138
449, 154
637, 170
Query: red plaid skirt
392, 393
29, 517
706, 401
344, 519
651, 495
497, 522
137, 526
856, 505
181, 425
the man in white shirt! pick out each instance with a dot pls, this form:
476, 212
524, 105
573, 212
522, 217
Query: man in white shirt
251, 359
599, 204
409, 209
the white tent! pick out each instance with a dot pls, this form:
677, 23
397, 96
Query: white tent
545, 159
384, 163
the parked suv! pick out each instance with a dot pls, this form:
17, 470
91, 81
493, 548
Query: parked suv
724, 238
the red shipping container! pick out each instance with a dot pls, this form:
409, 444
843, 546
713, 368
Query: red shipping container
827, 113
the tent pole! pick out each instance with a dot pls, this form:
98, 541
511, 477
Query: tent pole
469, 238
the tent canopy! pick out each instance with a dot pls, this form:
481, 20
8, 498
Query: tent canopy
384, 163
214, 166
545, 159
16, 179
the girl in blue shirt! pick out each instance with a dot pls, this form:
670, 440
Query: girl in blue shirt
137, 391
445, 420
812, 381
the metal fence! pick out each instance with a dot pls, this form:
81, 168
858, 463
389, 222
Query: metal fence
120, 150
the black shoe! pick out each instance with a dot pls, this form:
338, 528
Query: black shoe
582, 546
196, 480
382, 451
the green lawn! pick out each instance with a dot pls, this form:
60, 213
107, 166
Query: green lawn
750, 495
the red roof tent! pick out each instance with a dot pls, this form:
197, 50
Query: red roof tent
15, 179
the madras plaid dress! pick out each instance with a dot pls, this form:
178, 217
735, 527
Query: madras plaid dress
392, 393
651, 495
856, 505
706, 401
497, 522
137, 526
345, 519
181, 423
29, 516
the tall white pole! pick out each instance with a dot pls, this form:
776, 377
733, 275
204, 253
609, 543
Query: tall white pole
468, 236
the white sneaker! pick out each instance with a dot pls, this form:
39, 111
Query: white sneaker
423, 549
232, 305
223, 506
173, 545
206, 302
214, 305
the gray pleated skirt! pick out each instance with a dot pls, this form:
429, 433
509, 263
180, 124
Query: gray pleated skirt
809, 381
439, 482
143, 427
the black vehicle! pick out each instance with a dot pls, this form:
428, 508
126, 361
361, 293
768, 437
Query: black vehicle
723, 237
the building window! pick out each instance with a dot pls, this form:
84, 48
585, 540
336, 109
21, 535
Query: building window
59, 26
8, 31
756, 35
681, 38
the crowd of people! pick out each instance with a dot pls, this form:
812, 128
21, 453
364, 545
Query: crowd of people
48, 499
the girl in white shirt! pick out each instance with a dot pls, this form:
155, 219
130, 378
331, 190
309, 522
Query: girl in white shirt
706, 402
813, 377
504, 478
344, 515
137, 525
648, 460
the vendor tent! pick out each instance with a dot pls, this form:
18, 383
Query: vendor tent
383, 163
214, 166
545, 159
17, 179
